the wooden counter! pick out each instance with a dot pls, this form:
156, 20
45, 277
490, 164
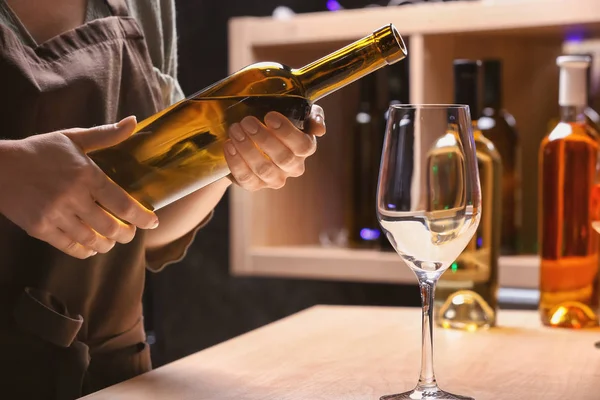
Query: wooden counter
361, 353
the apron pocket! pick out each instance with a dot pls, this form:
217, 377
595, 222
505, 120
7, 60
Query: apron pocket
44, 351
41, 314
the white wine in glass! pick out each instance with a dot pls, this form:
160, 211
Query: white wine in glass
429, 206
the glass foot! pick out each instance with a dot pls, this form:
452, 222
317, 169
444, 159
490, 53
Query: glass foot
425, 394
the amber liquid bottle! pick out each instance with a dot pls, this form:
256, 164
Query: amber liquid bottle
365, 155
498, 125
466, 294
180, 149
568, 244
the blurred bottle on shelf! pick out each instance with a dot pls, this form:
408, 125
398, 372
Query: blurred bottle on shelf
466, 294
499, 126
568, 162
397, 86
365, 154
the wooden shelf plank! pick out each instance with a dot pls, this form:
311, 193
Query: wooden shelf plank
307, 262
543, 16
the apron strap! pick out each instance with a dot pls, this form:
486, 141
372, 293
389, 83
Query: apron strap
118, 8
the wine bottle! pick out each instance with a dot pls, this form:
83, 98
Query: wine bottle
365, 156
398, 93
568, 159
466, 295
498, 125
180, 149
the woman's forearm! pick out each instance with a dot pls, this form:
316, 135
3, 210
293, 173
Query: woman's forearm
181, 217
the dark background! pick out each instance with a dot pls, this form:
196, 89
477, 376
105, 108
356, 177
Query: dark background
196, 303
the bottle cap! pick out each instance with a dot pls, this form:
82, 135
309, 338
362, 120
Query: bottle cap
573, 80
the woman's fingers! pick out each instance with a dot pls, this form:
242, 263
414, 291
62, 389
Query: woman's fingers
64, 243
85, 236
105, 224
240, 171
300, 143
260, 165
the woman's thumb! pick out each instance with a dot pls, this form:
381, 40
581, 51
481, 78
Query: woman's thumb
102, 136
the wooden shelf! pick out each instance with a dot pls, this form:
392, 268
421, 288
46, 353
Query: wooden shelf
373, 266
276, 232
484, 16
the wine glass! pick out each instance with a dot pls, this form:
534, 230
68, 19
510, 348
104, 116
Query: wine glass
429, 206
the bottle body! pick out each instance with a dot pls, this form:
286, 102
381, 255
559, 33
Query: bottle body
177, 152
499, 126
568, 161
180, 149
466, 294
569, 245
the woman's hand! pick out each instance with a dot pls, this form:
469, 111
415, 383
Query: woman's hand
52, 190
265, 155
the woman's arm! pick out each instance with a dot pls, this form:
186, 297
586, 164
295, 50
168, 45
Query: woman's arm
179, 218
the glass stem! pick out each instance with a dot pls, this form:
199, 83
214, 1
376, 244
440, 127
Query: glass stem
427, 376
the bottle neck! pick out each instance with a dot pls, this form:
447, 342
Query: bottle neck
466, 89
492, 84
398, 83
572, 113
496, 104
330, 73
